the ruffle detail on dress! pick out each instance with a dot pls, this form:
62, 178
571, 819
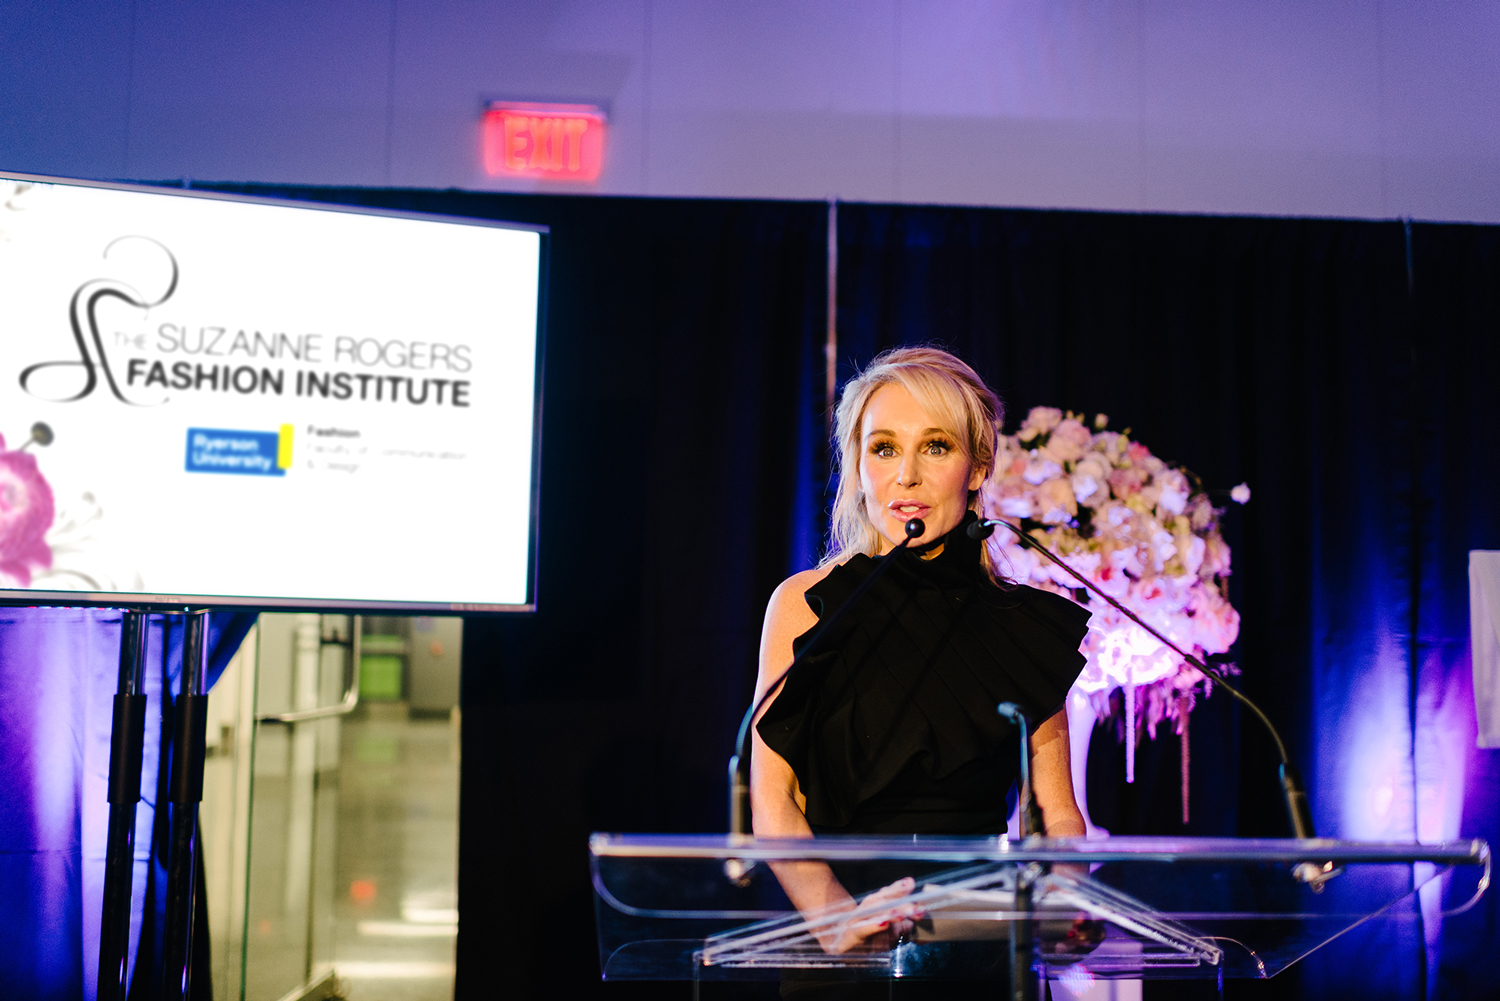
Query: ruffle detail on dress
911, 677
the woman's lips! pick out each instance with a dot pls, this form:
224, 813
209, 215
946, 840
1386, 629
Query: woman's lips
907, 509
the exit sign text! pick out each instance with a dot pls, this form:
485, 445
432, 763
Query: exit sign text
560, 142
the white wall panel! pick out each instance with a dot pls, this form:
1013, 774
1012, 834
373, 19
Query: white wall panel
1266, 108
776, 99
282, 92
1020, 103
65, 77
1441, 90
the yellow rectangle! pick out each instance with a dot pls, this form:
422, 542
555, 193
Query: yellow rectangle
284, 447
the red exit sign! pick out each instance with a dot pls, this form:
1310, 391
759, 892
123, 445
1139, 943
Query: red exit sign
560, 142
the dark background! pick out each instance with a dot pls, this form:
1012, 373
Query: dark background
1344, 369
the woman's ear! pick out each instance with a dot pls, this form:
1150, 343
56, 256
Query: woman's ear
976, 478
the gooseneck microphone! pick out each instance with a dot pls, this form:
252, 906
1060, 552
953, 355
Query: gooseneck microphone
1291, 781
739, 763
1029, 819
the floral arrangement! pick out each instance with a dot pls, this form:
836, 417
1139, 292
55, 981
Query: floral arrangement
1142, 530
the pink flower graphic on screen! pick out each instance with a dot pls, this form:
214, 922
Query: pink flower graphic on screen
26, 512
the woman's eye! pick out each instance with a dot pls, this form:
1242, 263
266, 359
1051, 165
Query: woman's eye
938, 448
884, 450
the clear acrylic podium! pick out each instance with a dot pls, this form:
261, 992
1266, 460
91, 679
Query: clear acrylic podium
710, 907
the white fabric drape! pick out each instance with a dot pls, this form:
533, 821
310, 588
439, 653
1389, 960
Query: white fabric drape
1484, 627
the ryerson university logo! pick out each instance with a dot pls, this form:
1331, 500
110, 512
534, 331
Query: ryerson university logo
83, 319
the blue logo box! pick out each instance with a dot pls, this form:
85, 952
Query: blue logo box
243, 453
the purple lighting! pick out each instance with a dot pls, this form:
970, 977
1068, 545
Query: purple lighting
58, 672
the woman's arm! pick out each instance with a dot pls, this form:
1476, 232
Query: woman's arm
777, 802
1052, 778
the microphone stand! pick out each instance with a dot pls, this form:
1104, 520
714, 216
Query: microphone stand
739, 762
1292, 788
1029, 816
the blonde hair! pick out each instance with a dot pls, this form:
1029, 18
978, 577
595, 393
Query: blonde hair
950, 391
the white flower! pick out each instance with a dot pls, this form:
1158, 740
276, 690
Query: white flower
1019, 506
1240, 494
1174, 492
1090, 480
1039, 471
1162, 549
1192, 559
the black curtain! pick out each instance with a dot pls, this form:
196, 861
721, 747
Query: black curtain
682, 355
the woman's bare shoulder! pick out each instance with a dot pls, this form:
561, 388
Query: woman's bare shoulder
794, 587
788, 616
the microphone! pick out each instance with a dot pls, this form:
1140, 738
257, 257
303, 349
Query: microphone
1298, 810
1030, 814
739, 762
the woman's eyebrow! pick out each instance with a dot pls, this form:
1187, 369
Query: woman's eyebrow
891, 434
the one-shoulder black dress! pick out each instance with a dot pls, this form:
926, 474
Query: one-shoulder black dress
890, 723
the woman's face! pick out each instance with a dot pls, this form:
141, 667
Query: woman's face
909, 467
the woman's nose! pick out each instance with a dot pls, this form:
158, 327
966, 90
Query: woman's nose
908, 475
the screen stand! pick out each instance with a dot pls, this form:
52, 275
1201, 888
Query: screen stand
184, 792
127, 737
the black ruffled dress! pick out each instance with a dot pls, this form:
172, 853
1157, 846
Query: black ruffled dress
890, 724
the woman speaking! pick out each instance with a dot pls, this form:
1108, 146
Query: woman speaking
889, 725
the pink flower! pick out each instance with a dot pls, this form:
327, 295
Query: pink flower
1069, 441
1138, 452
1125, 482
1112, 579
1216, 625
1040, 420
1056, 502
1216, 560
26, 513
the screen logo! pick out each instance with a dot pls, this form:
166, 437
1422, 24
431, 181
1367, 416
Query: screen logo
83, 318
241, 453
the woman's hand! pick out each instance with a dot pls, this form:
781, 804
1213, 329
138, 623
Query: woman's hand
878, 931
1073, 938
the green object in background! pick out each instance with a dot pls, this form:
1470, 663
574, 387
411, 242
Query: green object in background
380, 677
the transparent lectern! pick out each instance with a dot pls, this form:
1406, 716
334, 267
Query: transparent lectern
711, 907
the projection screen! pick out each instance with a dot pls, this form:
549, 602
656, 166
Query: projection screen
211, 400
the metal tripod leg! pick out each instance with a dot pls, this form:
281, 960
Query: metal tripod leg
126, 740
184, 793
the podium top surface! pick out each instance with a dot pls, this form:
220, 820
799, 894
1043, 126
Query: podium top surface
1001, 849
717, 906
